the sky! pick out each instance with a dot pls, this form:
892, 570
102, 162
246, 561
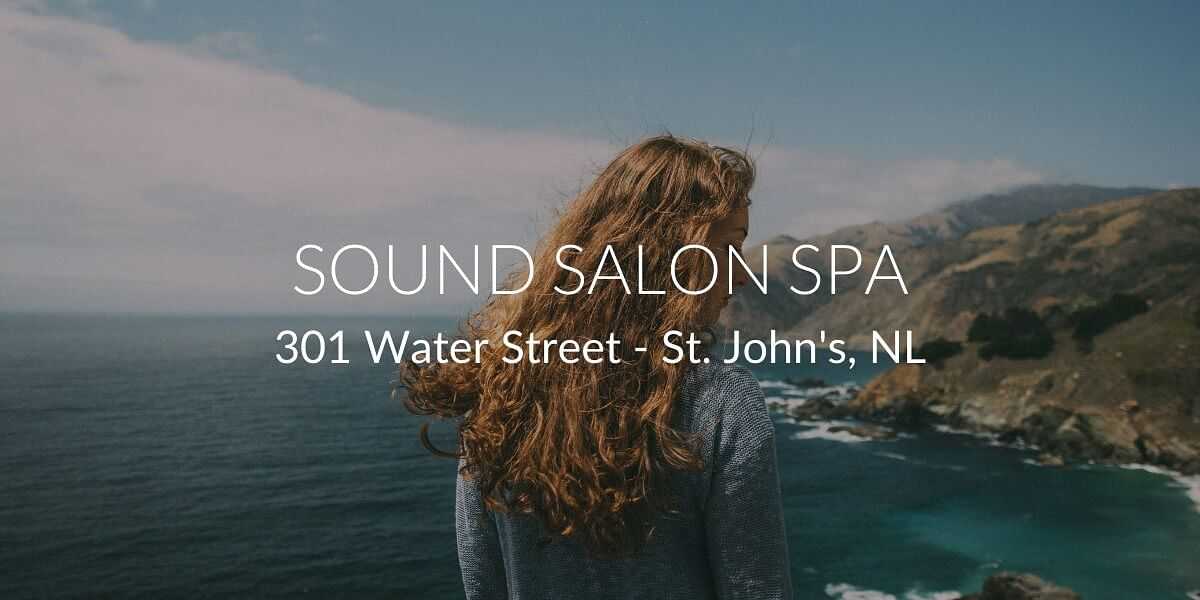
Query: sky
172, 156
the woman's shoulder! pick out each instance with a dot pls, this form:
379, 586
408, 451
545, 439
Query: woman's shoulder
719, 392
722, 379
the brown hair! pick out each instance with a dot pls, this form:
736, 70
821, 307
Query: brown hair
587, 447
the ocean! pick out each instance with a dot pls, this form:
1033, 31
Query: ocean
164, 457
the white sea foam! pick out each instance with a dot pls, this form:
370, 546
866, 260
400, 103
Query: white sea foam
918, 462
843, 391
1157, 470
912, 595
821, 431
845, 591
1017, 444
947, 429
773, 383
786, 401
992, 439
942, 428
781, 395
1189, 483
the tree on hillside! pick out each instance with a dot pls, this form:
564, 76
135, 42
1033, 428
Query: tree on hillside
1017, 333
1091, 321
937, 350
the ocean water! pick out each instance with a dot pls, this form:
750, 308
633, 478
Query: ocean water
173, 456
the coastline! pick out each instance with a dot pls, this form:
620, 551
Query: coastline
836, 412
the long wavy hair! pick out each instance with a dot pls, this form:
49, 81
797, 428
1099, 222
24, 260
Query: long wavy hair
587, 448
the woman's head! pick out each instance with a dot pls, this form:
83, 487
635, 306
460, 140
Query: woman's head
586, 447
725, 235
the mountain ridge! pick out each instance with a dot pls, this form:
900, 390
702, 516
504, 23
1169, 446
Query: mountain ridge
757, 313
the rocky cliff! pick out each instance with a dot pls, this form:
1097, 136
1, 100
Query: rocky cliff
1130, 393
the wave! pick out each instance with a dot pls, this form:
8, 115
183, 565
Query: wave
918, 462
821, 431
785, 402
949, 430
840, 390
992, 439
774, 383
1190, 483
845, 591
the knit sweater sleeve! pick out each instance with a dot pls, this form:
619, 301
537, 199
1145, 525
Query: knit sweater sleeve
479, 552
747, 542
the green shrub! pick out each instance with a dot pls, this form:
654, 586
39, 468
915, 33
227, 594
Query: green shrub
938, 350
985, 328
1018, 333
1091, 321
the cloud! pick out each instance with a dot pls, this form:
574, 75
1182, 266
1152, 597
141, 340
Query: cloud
169, 166
810, 193
143, 176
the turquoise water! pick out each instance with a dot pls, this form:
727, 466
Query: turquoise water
168, 456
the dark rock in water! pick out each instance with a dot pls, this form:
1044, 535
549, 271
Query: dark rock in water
1021, 586
841, 395
818, 409
872, 432
1047, 459
1010, 436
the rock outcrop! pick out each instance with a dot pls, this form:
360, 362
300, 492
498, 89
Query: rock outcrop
1021, 586
1071, 406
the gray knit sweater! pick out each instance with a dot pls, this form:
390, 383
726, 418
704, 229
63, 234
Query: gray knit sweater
728, 542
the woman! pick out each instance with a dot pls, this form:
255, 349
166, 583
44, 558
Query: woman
641, 479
